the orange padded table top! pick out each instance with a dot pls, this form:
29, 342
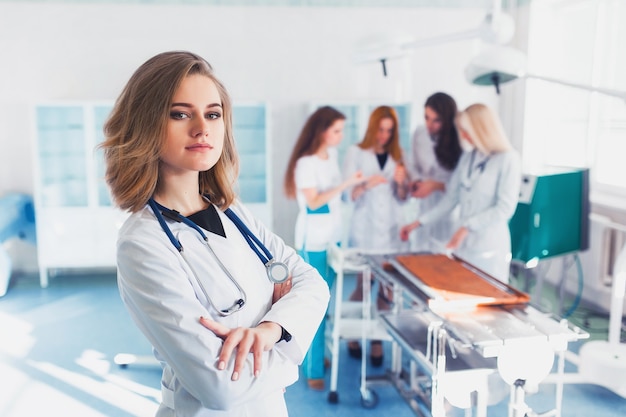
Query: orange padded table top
452, 281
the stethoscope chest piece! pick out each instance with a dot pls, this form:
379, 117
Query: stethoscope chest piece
277, 272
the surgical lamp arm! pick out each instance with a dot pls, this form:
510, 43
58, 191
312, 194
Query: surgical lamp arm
607, 91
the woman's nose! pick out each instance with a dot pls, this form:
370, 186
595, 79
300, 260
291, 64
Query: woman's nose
201, 128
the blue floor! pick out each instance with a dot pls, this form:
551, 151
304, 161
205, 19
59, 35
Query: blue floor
57, 347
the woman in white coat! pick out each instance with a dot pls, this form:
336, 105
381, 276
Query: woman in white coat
435, 153
228, 338
313, 178
377, 202
485, 186
377, 210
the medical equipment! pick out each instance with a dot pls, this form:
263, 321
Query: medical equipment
277, 272
603, 362
351, 319
540, 228
467, 356
17, 220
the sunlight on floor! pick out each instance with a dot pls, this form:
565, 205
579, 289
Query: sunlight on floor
95, 362
15, 336
105, 390
16, 399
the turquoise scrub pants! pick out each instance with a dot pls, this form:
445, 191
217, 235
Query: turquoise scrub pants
313, 364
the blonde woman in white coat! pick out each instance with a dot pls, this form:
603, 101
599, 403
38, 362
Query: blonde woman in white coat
377, 202
229, 339
485, 186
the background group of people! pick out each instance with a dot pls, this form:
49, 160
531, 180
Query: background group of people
461, 170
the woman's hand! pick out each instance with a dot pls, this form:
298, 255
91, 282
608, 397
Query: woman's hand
399, 175
366, 184
457, 238
375, 180
406, 230
354, 179
423, 189
255, 340
281, 289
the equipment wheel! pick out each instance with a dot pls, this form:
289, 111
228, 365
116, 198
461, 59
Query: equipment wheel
369, 400
333, 397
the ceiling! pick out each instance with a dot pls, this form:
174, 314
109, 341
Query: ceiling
482, 4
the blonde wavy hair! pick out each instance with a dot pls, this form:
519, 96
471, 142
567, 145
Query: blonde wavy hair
135, 133
484, 128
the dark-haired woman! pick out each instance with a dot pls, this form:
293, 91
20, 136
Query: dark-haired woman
435, 153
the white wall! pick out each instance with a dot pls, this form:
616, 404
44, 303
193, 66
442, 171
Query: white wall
285, 56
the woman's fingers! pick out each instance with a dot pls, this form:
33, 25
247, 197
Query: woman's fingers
243, 348
219, 329
245, 341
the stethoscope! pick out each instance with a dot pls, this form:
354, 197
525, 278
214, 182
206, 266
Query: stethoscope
480, 167
277, 272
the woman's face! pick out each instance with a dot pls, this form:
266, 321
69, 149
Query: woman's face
464, 135
195, 128
384, 132
465, 140
433, 121
334, 134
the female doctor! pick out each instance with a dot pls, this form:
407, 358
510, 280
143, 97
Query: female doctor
435, 153
378, 200
228, 330
485, 185
377, 211
313, 178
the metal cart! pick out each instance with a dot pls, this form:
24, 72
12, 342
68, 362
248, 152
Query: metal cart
464, 358
352, 320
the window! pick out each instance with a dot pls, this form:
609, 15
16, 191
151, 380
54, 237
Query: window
582, 42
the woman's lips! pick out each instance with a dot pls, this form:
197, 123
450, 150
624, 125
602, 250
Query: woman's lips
200, 147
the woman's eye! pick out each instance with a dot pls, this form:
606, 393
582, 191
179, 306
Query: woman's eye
178, 115
213, 115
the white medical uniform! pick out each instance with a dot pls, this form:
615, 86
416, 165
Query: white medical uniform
166, 302
486, 189
377, 214
423, 165
316, 230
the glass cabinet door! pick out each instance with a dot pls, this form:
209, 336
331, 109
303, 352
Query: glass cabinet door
61, 150
100, 113
249, 125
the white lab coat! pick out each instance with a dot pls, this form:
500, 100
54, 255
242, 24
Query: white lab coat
377, 214
423, 165
165, 301
486, 189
